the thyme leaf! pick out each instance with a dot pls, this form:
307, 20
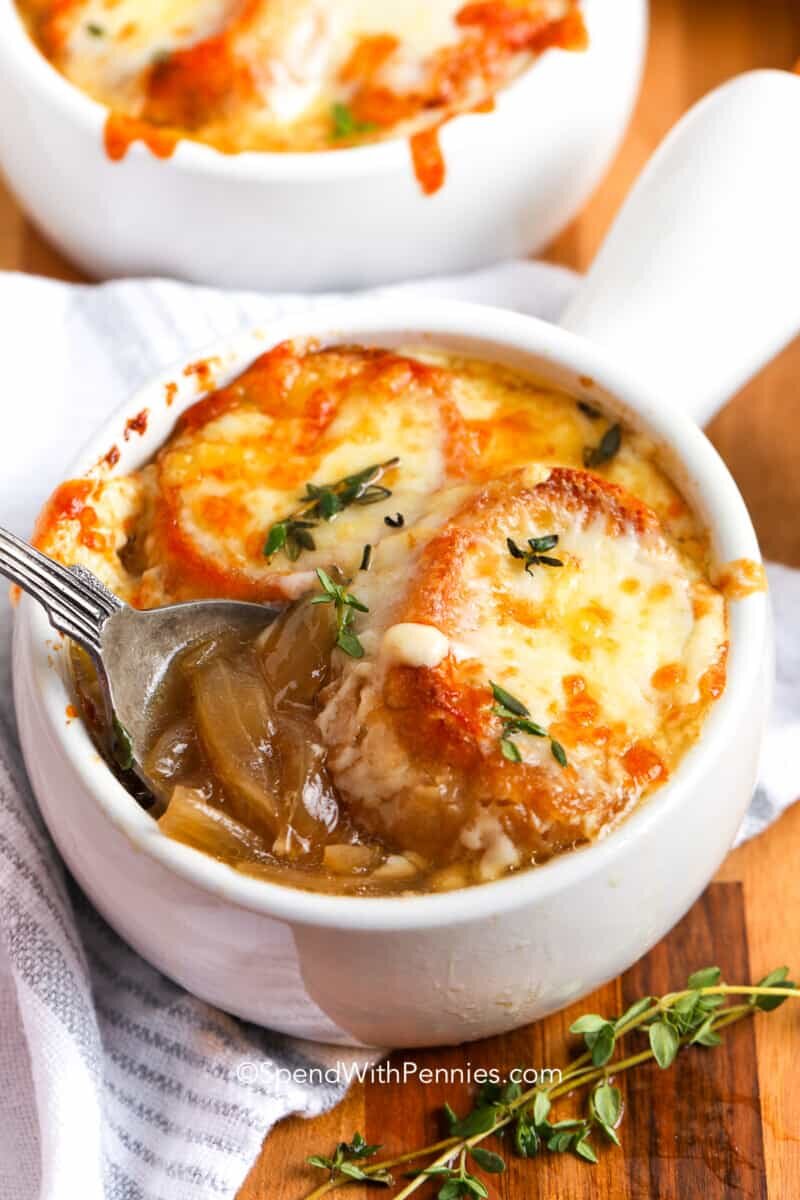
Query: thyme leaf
509, 702
480, 1120
492, 1163
517, 719
345, 605
708, 977
459, 1182
775, 979
324, 502
605, 450
606, 1109
121, 745
536, 555
510, 750
558, 752
342, 1165
664, 1042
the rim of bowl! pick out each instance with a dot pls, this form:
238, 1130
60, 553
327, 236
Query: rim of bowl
497, 335
380, 156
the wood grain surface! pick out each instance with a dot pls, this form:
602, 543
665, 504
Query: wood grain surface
720, 1124
694, 1131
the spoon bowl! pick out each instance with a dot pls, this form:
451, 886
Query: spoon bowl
131, 648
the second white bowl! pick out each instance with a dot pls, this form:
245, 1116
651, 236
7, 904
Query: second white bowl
320, 221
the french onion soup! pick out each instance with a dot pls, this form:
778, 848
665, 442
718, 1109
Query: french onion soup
501, 628
295, 75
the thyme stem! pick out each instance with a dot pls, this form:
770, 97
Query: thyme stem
579, 1074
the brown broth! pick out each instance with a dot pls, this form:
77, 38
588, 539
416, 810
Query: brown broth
239, 772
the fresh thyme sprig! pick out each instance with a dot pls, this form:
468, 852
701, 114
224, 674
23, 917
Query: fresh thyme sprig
323, 502
458, 1181
605, 450
343, 1164
694, 1016
345, 605
516, 719
536, 555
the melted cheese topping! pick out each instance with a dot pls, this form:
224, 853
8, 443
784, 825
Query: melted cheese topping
619, 609
293, 74
616, 649
240, 459
414, 645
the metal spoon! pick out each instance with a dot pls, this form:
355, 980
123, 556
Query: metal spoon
130, 648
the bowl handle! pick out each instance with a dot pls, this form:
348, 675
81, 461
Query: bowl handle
698, 283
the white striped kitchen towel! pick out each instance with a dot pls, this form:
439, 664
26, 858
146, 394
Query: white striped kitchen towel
114, 1083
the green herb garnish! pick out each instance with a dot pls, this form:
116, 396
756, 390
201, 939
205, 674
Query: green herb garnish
324, 502
605, 450
536, 555
290, 536
516, 719
671, 1023
345, 605
343, 1165
95, 30
558, 752
458, 1181
346, 125
121, 745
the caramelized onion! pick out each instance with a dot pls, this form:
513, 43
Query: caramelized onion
237, 757
348, 859
295, 652
310, 809
236, 725
172, 758
256, 729
307, 880
190, 820
396, 866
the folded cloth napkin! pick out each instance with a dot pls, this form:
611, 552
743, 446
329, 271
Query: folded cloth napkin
117, 1084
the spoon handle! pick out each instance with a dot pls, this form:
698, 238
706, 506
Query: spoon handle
76, 602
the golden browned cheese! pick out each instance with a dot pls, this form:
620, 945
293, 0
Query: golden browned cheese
302, 75
541, 641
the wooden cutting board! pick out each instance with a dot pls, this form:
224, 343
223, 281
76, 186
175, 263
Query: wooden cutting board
692, 1131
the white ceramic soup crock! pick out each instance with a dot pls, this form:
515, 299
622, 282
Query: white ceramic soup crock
329, 220
682, 310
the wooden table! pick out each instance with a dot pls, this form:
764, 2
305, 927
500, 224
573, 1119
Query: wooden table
743, 1140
